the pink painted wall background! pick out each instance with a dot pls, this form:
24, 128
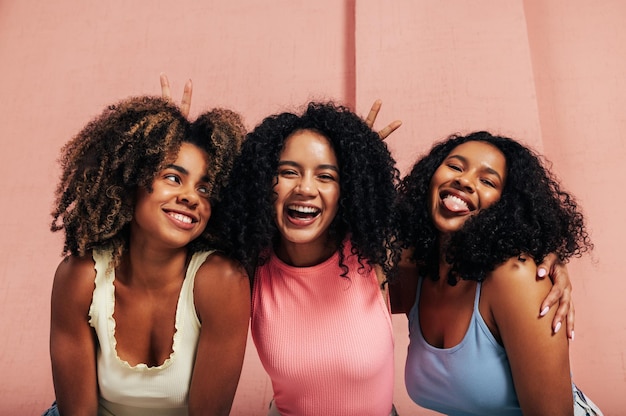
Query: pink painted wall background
552, 74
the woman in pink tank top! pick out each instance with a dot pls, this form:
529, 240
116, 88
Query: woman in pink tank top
318, 189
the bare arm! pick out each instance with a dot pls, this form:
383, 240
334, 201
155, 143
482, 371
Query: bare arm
539, 359
222, 299
72, 340
403, 290
560, 294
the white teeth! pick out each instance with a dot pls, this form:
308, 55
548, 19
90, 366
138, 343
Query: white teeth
455, 203
304, 210
182, 218
456, 199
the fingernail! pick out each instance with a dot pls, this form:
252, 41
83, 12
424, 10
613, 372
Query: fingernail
557, 327
544, 311
541, 272
572, 336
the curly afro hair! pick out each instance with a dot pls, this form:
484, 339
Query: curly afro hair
123, 149
368, 180
534, 216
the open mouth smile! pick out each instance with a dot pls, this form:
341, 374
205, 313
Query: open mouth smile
301, 212
456, 203
181, 218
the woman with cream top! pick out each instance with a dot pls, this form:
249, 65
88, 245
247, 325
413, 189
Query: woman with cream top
147, 319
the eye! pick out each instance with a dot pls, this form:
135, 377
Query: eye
172, 178
455, 167
488, 182
204, 190
327, 177
288, 173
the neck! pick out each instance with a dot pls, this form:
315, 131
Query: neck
444, 266
152, 269
305, 255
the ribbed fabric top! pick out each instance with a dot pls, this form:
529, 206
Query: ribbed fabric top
326, 341
141, 390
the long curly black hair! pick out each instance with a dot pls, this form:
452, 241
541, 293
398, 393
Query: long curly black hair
123, 149
368, 180
534, 216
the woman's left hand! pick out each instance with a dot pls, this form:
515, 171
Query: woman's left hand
371, 118
561, 294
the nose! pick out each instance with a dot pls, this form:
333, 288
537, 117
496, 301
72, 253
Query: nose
188, 196
306, 186
464, 181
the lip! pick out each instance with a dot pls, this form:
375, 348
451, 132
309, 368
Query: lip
313, 210
295, 205
461, 195
171, 214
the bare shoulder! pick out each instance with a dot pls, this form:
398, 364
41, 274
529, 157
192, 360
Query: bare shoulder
72, 293
220, 275
219, 267
521, 270
75, 276
515, 283
521, 265
221, 288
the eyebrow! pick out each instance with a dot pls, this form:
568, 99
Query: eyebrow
185, 172
486, 168
296, 165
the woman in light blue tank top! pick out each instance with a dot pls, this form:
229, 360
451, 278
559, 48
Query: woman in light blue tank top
479, 213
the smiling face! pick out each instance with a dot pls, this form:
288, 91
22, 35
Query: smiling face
470, 178
178, 208
307, 190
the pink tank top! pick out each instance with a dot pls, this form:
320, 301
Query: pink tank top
326, 341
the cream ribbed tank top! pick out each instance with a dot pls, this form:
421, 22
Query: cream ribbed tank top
141, 390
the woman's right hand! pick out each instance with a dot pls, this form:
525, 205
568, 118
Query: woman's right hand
185, 103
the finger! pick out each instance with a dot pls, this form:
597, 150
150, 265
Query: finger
185, 103
556, 293
547, 265
570, 323
393, 126
560, 317
165, 87
542, 272
371, 117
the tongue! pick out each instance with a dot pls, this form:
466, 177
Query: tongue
455, 205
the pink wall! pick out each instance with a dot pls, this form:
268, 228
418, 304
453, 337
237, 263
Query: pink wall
550, 73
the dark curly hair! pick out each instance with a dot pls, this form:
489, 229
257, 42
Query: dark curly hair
368, 178
123, 149
534, 216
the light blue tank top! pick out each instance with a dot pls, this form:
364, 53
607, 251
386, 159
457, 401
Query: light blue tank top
471, 378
